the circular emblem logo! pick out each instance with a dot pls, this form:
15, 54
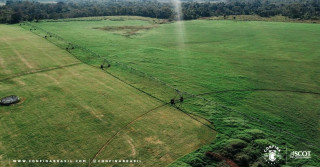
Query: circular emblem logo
272, 154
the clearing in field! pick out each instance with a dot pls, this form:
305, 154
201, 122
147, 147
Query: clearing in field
72, 110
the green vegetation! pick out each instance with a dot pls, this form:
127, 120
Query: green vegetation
16, 10
240, 70
277, 18
19, 55
69, 110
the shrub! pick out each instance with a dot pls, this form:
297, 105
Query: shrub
261, 143
255, 133
197, 161
242, 160
233, 147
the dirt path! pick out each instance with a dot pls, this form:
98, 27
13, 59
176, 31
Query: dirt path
130, 141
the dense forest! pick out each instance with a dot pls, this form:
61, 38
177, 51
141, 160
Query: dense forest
16, 11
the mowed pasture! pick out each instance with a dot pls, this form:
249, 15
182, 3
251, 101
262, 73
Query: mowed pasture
19, 55
269, 70
70, 110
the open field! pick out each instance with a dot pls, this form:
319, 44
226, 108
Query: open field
19, 55
266, 70
70, 110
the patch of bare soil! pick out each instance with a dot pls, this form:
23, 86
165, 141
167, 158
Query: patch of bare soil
126, 30
22, 99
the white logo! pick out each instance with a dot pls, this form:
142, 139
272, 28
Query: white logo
272, 154
300, 154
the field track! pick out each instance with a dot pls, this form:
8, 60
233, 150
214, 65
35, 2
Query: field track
38, 71
266, 90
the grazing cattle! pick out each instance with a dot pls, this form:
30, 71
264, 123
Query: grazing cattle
172, 101
181, 99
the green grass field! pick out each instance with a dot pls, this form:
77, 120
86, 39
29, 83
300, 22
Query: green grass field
70, 110
267, 70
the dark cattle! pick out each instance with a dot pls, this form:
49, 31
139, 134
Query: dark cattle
172, 101
181, 99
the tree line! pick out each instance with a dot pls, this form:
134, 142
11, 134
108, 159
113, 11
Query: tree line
16, 11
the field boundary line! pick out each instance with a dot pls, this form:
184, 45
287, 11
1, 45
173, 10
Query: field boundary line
38, 71
262, 89
120, 130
